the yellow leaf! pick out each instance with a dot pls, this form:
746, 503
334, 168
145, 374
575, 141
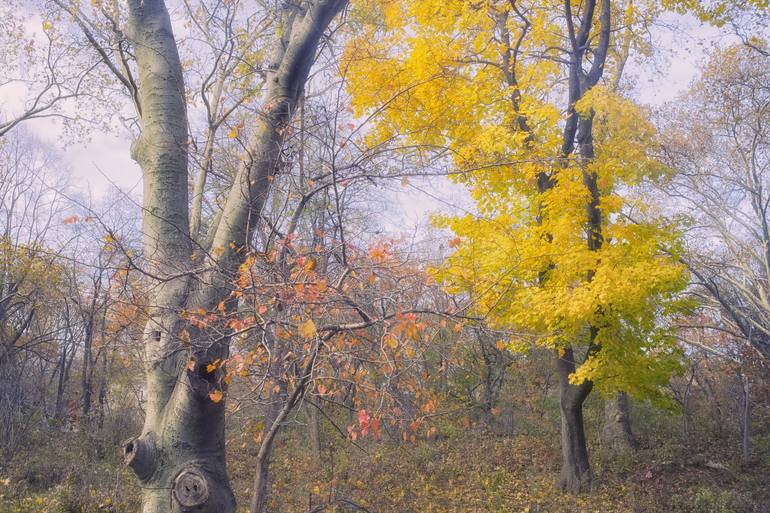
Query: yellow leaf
392, 342
307, 329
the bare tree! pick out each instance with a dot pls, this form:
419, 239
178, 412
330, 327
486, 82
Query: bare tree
719, 142
29, 278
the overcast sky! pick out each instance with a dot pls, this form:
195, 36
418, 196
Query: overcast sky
104, 162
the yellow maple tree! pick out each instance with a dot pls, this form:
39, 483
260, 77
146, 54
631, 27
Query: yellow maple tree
562, 244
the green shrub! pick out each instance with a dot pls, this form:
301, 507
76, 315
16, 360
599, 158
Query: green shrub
707, 500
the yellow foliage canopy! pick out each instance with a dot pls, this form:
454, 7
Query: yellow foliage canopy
484, 80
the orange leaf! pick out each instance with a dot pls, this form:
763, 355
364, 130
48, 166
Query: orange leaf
215, 396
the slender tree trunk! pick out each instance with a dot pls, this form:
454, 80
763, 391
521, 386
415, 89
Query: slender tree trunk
745, 418
261, 482
314, 432
85, 378
277, 415
262, 471
102, 394
576, 475
616, 432
59, 410
273, 419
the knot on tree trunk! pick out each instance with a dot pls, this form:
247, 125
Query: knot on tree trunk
139, 454
191, 489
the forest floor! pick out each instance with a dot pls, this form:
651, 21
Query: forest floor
466, 472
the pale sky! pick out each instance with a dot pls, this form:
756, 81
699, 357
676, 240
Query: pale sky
104, 159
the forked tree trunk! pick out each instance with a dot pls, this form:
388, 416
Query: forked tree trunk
179, 457
576, 475
616, 432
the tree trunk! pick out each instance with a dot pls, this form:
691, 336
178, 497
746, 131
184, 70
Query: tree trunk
59, 413
179, 458
87, 372
314, 432
745, 418
616, 432
272, 424
576, 475
102, 394
261, 483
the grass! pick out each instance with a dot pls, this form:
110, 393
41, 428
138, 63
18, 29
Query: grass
466, 472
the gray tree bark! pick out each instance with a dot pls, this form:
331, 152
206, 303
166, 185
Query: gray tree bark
179, 458
616, 432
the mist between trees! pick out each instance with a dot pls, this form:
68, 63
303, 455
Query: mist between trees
585, 326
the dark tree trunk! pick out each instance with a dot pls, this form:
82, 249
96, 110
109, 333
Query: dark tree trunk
576, 475
102, 394
87, 373
59, 410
